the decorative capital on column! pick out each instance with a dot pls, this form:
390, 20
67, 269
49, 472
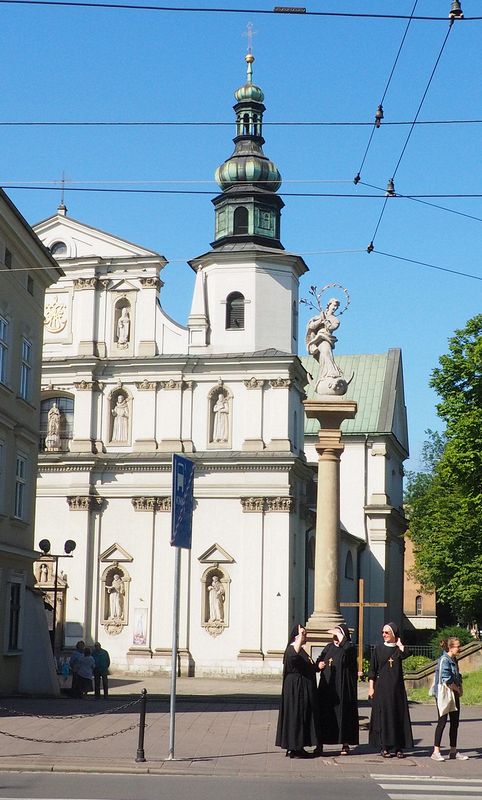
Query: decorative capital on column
254, 383
151, 283
252, 504
85, 503
85, 283
286, 504
146, 386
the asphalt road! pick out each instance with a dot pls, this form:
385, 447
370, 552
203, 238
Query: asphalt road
375, 786
153, 787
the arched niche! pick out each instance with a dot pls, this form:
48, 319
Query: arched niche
122, 333
114, 593
120, 417
220, 411
215, 599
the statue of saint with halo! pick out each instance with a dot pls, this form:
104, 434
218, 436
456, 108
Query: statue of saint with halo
320, 341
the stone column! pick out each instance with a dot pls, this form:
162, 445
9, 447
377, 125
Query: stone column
330, 413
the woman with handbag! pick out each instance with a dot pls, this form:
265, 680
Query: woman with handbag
448, 691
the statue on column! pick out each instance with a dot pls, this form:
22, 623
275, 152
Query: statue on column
320, 341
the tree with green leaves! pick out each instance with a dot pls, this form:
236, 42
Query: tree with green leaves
445, 501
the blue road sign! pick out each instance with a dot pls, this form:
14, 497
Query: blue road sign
182, 501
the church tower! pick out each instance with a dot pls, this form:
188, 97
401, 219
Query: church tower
246, 292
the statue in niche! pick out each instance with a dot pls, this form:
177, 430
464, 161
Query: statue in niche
116, 593
221, 419
120, 412
320, 342
216, 596
123, 328
43, 573
52, 440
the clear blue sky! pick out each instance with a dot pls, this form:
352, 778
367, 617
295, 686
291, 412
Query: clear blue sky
66, 64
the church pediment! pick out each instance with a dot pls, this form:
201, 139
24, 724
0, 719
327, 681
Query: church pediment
216, 555
123, 286
83, 241
115, 553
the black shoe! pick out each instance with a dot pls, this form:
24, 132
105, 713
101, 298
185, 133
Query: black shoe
318, 751
299, 754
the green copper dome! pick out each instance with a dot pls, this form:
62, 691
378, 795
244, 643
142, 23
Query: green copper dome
248, 164
248, 210
248, 167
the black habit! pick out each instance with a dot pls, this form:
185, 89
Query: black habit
390, 726
337, 692
298, 720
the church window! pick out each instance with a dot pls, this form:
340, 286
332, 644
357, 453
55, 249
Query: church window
418, 605
65, 406
349, 566
255, 125
20, 487
241, 220
246, 124
235, 311
295, 321
26, 370
58, 249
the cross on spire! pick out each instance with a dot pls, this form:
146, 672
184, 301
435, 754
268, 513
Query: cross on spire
249, 34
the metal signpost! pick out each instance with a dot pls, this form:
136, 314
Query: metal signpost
181, 536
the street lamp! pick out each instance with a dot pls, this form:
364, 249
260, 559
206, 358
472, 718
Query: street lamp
69, 548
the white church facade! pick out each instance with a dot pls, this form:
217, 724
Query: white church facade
124, 387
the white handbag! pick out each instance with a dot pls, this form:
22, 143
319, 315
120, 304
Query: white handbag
445, 696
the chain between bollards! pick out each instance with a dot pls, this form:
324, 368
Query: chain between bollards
142, 727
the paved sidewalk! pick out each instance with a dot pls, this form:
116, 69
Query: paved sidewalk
223, 727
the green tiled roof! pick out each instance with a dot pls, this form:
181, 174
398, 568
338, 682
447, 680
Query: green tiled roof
372, 388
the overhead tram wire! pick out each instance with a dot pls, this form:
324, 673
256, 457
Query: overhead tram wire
222, 10
379, 113
390, 188
424, 202
118, 190
66, 266
207, 123
431, 266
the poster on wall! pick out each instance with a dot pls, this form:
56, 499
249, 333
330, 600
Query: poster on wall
140, 626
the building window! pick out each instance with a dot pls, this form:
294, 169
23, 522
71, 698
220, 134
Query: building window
418, 605
3, 349
30, 285
14, 616
20, 487
25, 369
8, 258
58, 249
235, 311
241, 220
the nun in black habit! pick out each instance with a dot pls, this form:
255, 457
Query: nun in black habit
337, 692
390, 726
298, 720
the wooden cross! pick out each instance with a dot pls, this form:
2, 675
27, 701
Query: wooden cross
361, 605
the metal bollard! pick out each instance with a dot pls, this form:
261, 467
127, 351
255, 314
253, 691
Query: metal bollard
142, 727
